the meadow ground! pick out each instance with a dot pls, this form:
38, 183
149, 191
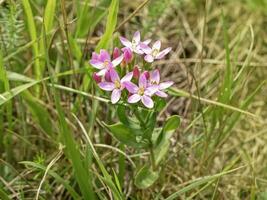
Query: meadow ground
54, 138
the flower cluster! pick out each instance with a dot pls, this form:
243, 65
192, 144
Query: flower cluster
141, 84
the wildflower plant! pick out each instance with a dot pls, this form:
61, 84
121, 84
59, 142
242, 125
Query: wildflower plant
138, 95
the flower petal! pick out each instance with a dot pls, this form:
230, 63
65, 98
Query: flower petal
151, 90
125, 42
147, 101
97, 64
95, 56
131, 87
115, 96
163, 53
127, 77
107, 86
104, 55
149, 58
102, 72
134, 98
157, 45
161, 94
138, 50
117, 61
147, 41
145, 48
155, 76
114, 75
136, 37
165, 85
142, 81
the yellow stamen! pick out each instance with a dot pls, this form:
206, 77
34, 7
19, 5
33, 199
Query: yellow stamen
117, 84
141, 91
106, 63
153, 83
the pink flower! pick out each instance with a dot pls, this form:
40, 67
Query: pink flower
127, 55
154, 53
103, 62
155, 81
135, 44
141, 92
116, 85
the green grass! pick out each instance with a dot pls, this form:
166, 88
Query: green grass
56, 141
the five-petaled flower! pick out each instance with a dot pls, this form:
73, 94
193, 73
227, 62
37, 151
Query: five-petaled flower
103, 62
155, 80
154, 53
141, 92
116, 85
136, 43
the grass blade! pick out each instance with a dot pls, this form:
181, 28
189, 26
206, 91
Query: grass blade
57, 177
32, 31
73, 153
110, 25
200, 181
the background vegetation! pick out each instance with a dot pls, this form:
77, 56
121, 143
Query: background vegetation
53, 144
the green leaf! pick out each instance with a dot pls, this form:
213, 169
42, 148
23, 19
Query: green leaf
197, 182
32, 30
49, 14
40, 114
83, 18
161, 150
3, 195
13, 76
73, 153
110, 25
145, 177
262, 196
172, 124
121, 113
180, 93
162, 145
5, 97
151, 121
169, 128
125, 135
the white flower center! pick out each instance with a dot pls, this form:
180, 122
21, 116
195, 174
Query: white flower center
134, 44
155, 52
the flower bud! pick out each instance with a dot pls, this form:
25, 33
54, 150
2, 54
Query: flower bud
96, 78
116, 53
147, 74
127, 55
136, 72
107, 77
